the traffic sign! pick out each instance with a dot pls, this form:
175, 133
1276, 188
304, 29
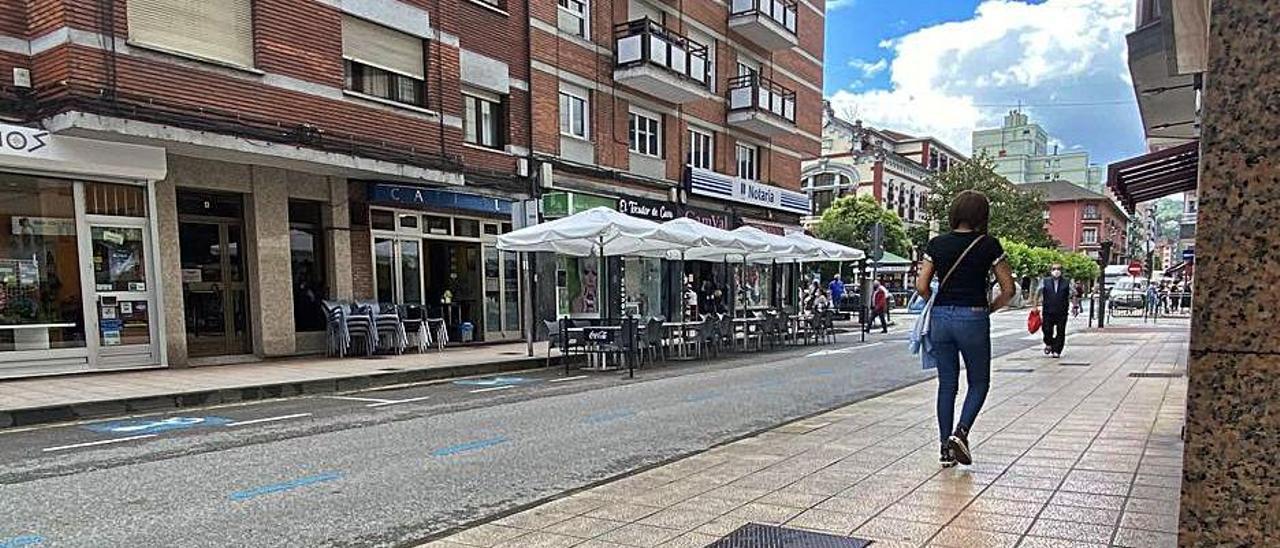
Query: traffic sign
1189, 254
1135, 268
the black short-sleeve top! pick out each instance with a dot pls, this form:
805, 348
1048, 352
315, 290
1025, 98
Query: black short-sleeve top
968, 285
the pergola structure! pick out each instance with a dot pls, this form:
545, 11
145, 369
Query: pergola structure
1155, 175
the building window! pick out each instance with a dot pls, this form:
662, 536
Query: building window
933, 159
645, 134
1089, 236
1091, 211
702, 147
482, 120
748, 161
383, 63
218, 31
573, 115
573, 17
307, 259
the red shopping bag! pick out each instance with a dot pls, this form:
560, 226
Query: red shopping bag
1033, 321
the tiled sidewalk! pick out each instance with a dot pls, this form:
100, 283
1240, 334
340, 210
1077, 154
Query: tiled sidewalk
1066, 455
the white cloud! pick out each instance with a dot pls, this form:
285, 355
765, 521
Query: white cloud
840, 4
949, 79
868, 68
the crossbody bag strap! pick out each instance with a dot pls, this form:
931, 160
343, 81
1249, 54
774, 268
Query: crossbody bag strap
957, 263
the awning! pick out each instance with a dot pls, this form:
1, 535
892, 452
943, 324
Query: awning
1155, 175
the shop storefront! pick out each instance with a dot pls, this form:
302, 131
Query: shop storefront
436, 249
79, 288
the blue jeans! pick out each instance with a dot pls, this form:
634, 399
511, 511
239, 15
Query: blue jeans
956, 331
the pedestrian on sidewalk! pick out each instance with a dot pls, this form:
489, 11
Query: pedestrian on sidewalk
960, 322
1055, 294
879, 308
836, 287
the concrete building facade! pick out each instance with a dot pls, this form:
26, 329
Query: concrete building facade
1021, 151
1080, 220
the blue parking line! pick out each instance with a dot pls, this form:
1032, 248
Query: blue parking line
609, 416
702, 396
21, 540
468, 446
285, 486
771, 383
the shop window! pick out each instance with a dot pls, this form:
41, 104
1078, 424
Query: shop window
115, 200
308, 265
218, 31
409, 221
466, 228
702, 149
490, 229
381, 219
578, 287
382, 62
41, 306
483, 119
506, 227
439, 226
755, 286
642, 286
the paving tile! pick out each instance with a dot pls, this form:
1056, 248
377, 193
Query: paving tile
1019, 494
959, 537
1165, 523
862, 505
1095, 487
722, 526
1137, 538
538, 539
1000, 523
792, 499
1150, 506
1045, 542
532, 519
706, 504
928, 514
635, 534
896, 530
486, 535
623, 511
1010, 507
828, 521
446, 543
679, 519
1080, 514
584, 527
1079, 532
689, 540
765, 513
1155, 493
1088, 500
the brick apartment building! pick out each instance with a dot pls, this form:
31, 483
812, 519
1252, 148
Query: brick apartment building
1081, 219
185, 181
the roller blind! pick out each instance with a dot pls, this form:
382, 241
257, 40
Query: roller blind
379, 46
221, 30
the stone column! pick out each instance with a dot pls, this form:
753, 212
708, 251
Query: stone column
270, 270
173, 320
1231, 483
337, 224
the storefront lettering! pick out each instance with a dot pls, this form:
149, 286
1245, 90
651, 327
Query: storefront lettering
24, 141
758, 193
656, 211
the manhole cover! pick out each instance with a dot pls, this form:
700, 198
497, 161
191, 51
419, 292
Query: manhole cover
1156, 374
755, 535
1016, 370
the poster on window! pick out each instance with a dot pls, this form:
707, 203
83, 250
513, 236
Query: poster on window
585, 296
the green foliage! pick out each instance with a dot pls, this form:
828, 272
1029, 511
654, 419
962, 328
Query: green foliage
918, 235
1035, 261
1016, 214
849, 220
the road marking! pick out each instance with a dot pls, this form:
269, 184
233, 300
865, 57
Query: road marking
609, 416
493, 388
567, 379
357, 398
95, 443
846, 350
493, 381
154, 426
396, 402
1006, 333
290, 485
1033, 337
701, 396
269, 419
21, 540
468, 446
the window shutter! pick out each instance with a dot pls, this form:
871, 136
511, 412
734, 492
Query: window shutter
220, 30
381, 47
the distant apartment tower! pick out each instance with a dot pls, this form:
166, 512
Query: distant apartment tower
1022, 154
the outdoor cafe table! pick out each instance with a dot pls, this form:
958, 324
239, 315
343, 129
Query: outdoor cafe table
680, 332
747, 326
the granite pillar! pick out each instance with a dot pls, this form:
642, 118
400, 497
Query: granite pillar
338, 223
271, 287
1231, 487
175, 322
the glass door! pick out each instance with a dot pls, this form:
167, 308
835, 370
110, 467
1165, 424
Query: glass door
397, 269
215, 299
501, 294
123, 292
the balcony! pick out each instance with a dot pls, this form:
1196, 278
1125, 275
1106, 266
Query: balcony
769, 23
659, 62
760, 105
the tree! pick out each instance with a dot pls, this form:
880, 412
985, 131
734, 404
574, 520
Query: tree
849, 220
918, 235
1033, 262
1016, 214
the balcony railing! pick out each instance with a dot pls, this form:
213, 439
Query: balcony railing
782, 12
754, 92
645, 42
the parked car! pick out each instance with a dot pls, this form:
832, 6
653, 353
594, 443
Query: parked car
1129, 293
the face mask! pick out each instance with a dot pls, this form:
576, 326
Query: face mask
1057, 273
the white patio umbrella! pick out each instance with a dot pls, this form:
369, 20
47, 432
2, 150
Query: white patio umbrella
830, 251
597, 231
705, 242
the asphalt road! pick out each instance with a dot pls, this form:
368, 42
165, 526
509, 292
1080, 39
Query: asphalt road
390, 467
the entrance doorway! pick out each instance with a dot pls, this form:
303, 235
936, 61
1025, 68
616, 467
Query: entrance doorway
214, 292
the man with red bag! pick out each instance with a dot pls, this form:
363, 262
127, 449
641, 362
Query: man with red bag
1055, 296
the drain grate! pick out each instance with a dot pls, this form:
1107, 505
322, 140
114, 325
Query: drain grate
1156, 374
1075, 364
391, 369
755, 535
1016, 370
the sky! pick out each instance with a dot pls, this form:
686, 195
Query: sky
946, 67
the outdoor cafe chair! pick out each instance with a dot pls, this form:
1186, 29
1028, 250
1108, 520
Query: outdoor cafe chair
386, 322
414, 324
651, 340
345, 327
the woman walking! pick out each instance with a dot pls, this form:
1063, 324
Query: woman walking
960, 323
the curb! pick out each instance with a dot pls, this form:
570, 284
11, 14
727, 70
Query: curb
127, 406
